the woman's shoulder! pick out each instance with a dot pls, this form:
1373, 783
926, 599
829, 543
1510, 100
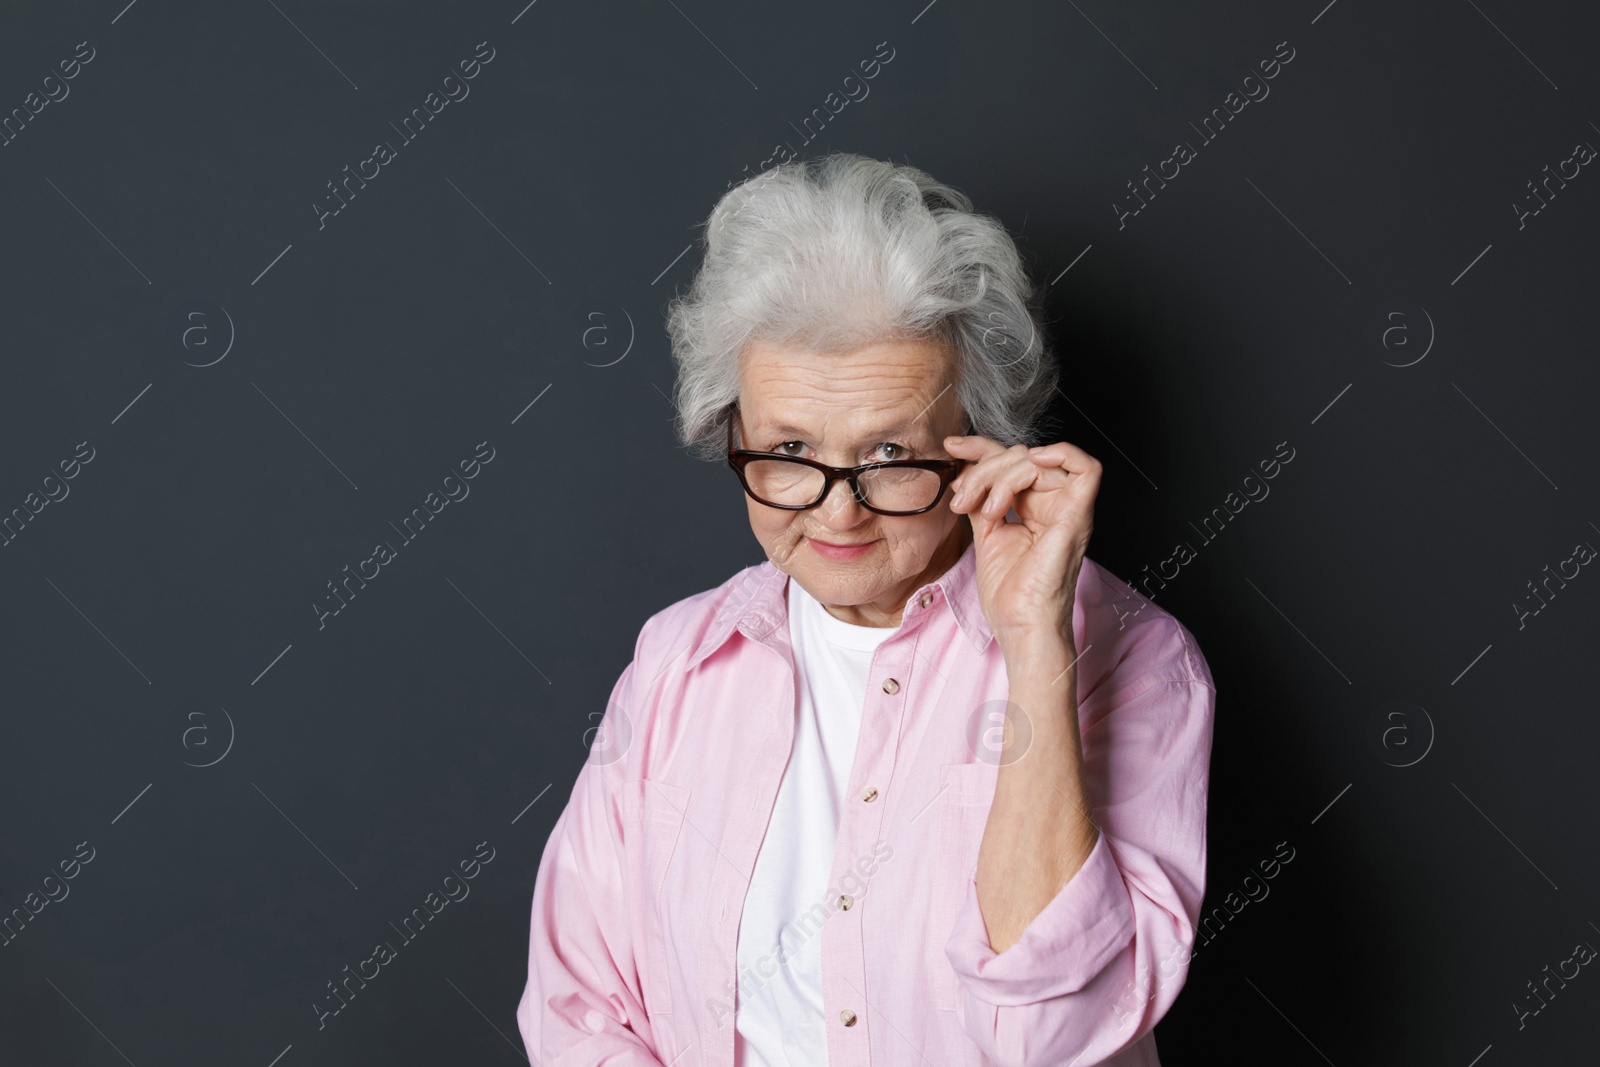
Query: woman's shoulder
695, 625
1146, 642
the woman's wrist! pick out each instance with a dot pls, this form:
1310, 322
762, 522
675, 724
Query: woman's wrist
1037, 648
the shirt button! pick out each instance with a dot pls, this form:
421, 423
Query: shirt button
846, 901
869, 795
891, 686
927, 598
847, 1017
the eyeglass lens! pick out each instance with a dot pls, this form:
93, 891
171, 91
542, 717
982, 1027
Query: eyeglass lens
776, 481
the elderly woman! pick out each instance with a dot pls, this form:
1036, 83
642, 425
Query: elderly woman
927, 786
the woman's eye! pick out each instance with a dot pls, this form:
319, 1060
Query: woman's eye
889, 449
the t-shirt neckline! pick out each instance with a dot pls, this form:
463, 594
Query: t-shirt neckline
837, 631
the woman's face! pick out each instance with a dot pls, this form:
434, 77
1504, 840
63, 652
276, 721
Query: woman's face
844, 411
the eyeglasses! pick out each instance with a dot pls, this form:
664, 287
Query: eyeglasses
899, 487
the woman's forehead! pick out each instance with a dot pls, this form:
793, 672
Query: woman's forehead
890, 364
887, 389
872, 426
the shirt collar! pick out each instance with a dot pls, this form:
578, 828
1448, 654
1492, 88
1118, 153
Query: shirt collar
755, 604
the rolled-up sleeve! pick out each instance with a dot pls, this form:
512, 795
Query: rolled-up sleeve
582, 1004
1100, 965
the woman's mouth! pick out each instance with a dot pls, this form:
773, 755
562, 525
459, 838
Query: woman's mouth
840, 552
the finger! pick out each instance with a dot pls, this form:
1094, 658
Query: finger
968, 495
975, 482
973, 448
1007, 483
982, 526
989, 525
1064, 463
1063, 454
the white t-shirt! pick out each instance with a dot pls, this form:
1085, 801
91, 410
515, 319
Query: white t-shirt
778, 1012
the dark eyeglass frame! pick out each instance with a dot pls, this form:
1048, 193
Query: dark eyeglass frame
739, 458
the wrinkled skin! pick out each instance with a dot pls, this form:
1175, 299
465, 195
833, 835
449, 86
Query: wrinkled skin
838, 409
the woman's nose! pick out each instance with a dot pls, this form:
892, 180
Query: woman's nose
841, 500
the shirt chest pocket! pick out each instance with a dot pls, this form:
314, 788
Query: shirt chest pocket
963, 811
652, 814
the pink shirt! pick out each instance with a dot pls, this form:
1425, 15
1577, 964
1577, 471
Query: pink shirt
636, 906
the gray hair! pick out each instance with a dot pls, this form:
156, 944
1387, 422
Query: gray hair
840, 251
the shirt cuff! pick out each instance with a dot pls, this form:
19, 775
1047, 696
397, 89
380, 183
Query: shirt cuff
1081, 930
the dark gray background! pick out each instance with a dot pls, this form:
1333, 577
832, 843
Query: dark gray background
170, 594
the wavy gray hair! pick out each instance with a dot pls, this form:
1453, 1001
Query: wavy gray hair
844, 250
